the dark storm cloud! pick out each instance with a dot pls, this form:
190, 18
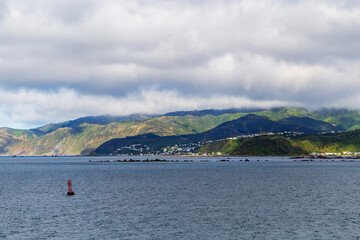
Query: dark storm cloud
195, 54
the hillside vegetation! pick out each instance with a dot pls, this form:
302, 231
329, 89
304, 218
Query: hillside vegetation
249, 124
83, 135
86, 137
279, 145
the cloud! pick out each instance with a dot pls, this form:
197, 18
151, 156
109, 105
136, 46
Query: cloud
31, 108
299, 52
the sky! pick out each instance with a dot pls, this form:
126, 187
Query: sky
64, 59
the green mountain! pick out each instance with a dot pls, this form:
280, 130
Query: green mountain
349, 119
312, 123
252, 123
98, 120
73, 138
10, 137
279, 145
344, 118
262, 146
83, 135
248, 124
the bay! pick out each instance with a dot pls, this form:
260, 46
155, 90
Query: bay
273, 198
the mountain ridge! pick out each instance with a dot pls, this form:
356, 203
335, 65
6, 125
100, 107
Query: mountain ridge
83, 135
248, 124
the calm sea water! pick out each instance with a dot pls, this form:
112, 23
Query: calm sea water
278, 199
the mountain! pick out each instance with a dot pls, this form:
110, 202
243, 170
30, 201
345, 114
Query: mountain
312, 123
9, 136
268, 146
279, 145
248, 124
252, 123
260, 146
347, 118
112, 146
83, 135
99, 120
80, 137
340, 142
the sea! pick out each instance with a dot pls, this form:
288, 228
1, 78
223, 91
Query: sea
185, 198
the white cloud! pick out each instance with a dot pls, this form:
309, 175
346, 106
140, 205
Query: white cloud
31, 108
303, 52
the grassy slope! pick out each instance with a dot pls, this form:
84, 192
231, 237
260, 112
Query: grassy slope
277, 145
349, 119
226, 147
349, 141
10, 137
264, 146
267, 146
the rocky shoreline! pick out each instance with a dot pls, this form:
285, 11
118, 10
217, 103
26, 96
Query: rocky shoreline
295, 159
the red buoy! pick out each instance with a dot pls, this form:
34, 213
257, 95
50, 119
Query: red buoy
70, 192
